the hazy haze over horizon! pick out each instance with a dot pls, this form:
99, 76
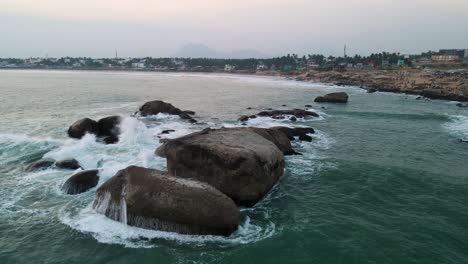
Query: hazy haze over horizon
159, 28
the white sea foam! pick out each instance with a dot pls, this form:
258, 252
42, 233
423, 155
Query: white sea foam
458, 126
109, 231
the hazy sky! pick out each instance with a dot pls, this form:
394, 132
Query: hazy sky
160, 27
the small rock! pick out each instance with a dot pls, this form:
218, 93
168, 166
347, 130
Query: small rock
293, 118
81, 182
243, 118
40, 165
167, 131
71, 164
305, 137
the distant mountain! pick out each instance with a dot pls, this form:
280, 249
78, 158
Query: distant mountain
203, 51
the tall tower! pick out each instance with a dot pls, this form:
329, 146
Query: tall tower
116, 55
345, 51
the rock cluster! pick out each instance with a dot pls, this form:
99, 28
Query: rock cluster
340, 97
106, 128
209, 173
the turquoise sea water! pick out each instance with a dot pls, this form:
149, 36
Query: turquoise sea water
384, 181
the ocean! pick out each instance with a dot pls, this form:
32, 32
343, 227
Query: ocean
385, 179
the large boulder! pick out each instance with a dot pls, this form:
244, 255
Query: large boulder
109, 126
71, 164
239, 162
148, 198
157, 106
40, 165
277, 137
340, 97
83, 126
81, 182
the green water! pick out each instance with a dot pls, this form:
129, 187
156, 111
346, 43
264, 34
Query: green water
384, 181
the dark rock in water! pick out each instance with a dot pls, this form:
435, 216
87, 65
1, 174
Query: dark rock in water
249, 108
244, 124
83, 126
278, 117
168, 131
110, 139
243, 118
340, 97
109, 126
252, 116
193, 121
419, 98
150, 199
308, 105
185, 116
157, 106
291, 133
305, 137
296, 112
81, 182
237, 161
293, 119
188, 112
462, 105
371, 90
40, 165
71, 164
284, 105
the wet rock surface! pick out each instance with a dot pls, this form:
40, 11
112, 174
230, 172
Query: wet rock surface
151, 199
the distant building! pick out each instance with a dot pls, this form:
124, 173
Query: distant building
262, 67
228, 67
401, 63
444, 58
466, 54
385, 63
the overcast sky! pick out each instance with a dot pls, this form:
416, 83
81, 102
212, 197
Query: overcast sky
96, 28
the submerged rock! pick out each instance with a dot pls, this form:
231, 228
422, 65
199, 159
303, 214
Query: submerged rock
71, 164
148, 198
83, 126
81, 182
40, 165
340, 97
239, 162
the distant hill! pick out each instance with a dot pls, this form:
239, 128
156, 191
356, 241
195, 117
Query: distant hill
203, 51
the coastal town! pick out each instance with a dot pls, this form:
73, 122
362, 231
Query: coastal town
438, 75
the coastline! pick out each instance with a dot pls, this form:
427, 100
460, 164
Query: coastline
432, 85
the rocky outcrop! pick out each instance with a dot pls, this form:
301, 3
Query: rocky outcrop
148, 198
158, 106
239, 162
107, 128
281, 114
83, 126
70, 164
40, 165
340, 97
81, 182
292, 133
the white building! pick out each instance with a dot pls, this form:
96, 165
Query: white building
228, 67
138, 65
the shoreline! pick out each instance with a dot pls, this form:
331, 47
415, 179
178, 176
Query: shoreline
432, 85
